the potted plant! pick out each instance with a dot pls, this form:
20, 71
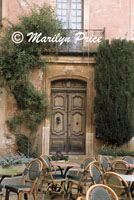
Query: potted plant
59, 156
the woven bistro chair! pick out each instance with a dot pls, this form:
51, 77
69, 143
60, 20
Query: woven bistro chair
82, 181
84, 164
28, 181
48, 160
118, 184
121, 167
95, 173
128, 159
100, 192
55, 184
105, 164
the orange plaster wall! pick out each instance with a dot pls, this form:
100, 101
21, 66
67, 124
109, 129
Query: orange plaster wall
114, 15
15, 10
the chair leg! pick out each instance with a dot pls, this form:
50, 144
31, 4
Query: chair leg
35, 195
63, 189
7, 194
1, 195
19, 196
25, 196
40, 186
70, 190
43, 196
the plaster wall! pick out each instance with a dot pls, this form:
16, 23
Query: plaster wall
115, 16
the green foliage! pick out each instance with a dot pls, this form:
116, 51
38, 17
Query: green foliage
17, 60
24, 144
10, 159
113, 151
32, 102
114, 84
14, 123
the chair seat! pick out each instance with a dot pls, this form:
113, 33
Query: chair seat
77, 178
18, 188
58, 178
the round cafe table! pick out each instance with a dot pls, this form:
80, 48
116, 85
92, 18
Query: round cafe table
7, 172
64, 165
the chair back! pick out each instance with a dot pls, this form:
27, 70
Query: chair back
104, 163
97, 163
95, 173
120, 166
99, 192
47, 160
47, 167
128, 159
117, 183
32, 173
87, 160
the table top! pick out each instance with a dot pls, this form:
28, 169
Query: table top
127, 177
8, 172
131, 165
64, 164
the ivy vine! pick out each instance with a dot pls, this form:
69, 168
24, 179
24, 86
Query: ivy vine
17, 60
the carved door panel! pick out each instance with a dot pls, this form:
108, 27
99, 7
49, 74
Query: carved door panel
68, 116
76, 123
58, 122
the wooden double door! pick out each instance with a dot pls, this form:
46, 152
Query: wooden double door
68, 117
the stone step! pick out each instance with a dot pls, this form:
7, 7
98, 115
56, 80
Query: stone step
77, 158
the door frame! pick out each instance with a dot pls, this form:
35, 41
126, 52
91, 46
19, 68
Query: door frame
90, 129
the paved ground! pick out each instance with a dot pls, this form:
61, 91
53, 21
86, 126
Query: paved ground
14, 197
47, 197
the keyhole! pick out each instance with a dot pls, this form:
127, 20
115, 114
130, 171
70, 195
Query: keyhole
77, 123
58, 120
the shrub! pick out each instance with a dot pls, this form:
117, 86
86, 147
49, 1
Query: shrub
113, 151
114, 84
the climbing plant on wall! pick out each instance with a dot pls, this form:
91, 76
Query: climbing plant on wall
114, 84
18, 59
